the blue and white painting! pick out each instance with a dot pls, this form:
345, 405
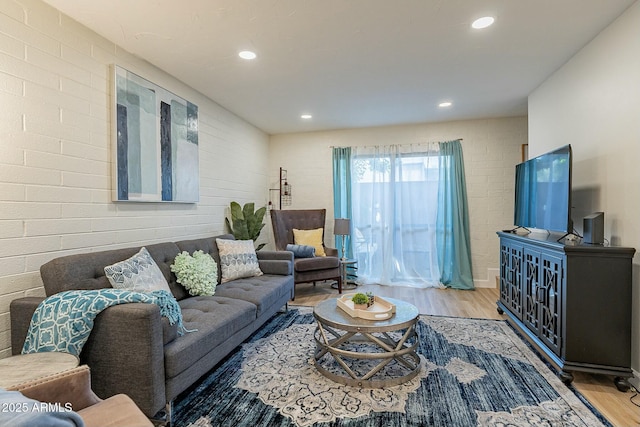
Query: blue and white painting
156, 142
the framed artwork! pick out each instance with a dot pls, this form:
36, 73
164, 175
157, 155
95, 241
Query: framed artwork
155, 142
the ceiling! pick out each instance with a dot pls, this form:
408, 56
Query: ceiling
353, 63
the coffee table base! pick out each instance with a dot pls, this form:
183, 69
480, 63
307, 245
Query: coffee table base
332, 341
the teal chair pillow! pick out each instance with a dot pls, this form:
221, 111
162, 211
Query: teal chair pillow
302, 251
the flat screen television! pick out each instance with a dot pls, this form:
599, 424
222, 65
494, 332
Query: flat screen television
543, 192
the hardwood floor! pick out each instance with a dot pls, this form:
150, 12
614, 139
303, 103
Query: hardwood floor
481, 303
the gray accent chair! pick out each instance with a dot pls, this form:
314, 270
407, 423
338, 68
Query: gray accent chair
306, 270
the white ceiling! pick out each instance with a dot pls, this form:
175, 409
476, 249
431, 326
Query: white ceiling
353, 63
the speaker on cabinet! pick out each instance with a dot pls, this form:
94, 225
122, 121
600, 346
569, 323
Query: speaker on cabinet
593, 228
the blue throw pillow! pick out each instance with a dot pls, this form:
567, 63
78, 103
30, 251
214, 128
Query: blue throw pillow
302, 251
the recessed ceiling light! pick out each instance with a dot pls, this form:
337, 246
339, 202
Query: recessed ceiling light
444, 104
247, 54
483, 22
306, 116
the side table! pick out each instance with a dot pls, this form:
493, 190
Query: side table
15, 370
346, 276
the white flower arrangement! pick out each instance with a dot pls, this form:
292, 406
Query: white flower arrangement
198, 273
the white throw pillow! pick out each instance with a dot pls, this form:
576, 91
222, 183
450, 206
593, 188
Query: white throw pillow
140, 273
237, 259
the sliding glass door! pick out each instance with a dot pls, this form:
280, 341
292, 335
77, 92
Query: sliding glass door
394, 207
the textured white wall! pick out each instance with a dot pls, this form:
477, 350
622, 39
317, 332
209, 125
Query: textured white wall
491, 150
593, 102
55, 169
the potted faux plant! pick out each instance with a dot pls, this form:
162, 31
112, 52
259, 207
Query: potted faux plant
360, 301
247, 222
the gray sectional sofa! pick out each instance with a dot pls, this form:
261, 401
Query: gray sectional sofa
133, 350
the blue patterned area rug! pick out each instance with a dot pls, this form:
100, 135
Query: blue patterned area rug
475, 373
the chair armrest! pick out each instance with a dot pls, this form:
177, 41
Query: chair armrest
67, 387
21, 310
331, 251
119, 410
276, 262
126, 354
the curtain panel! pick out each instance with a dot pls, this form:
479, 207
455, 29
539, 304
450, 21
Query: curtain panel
342, 193
453, 240
408, 211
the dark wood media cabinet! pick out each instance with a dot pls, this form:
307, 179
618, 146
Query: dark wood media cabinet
572, 302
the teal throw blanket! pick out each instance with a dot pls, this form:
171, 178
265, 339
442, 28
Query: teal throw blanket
63, 322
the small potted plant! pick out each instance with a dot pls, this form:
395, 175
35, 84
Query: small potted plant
360, 301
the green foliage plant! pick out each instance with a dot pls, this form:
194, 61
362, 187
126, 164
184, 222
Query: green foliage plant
246, 222
360, 298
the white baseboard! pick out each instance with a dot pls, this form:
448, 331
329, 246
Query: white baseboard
635, 380
490, 281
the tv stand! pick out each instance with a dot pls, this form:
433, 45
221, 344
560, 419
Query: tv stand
515, 229
571, 302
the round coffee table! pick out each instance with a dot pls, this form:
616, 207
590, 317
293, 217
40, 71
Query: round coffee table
15, 370
338, 336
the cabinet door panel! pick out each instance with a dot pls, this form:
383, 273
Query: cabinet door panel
511, 278
530, 309
550, 301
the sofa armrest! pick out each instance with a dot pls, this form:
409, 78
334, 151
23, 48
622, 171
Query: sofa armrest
276, 266
273, 255
276, 262
126, 355
125, 350
21, 313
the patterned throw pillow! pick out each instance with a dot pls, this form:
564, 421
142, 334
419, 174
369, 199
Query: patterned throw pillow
237, 259
198, 273
310, 238
140, 273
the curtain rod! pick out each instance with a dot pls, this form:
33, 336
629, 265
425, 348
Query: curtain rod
400, 145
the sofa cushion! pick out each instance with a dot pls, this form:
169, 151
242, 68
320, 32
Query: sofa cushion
215, 319
317, 263
237, 259
262, 291
81, 271
164, 254
139, 273
206, 245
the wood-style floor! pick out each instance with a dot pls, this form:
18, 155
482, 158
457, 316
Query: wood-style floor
481, 303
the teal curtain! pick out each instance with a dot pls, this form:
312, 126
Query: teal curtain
342, 192
452, 223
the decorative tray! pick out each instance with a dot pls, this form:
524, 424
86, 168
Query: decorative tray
380, 310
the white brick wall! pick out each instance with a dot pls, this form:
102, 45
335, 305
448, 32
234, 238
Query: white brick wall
55, 170
491, 150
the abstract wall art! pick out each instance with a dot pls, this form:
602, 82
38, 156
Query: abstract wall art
155, 142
